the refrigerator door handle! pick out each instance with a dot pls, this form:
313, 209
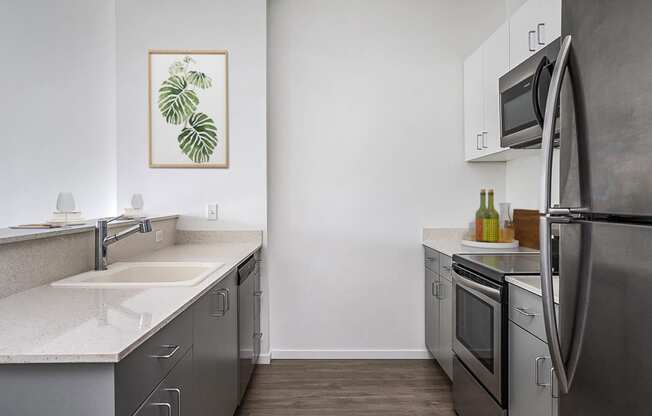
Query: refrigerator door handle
549, 119
550, 319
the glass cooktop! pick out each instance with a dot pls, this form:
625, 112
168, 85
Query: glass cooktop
497, 266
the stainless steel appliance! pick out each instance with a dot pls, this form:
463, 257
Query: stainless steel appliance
480, 329
523, 94
600, 346
248, 320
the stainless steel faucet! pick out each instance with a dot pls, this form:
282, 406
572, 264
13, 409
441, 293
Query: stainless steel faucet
103, 240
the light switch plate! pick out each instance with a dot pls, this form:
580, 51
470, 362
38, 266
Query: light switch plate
159, 236
211, 212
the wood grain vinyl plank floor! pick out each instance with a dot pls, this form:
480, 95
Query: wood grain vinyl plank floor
348, 387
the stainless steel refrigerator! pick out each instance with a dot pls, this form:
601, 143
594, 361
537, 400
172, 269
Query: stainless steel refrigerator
601, 343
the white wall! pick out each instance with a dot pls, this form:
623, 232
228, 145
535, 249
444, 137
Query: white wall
241, 191
523, 181
238, 26
365, 148
57, 110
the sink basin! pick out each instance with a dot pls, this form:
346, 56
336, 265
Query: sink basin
142, 275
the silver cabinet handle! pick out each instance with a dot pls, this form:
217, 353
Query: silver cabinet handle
439, 292
174, 348
536, 372
430, 258
484, 139
258, 335
553, 391
530, 41
541, 33
220, 312
258, 294
477, 141
227, 295
178, 392
541, 39
433, 290
524, 312
447, 268
166, 405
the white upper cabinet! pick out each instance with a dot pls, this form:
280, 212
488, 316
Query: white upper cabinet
531, 27
481, 98
473, 105
496, 64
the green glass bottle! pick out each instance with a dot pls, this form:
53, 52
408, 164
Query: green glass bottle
479, 216
491, 222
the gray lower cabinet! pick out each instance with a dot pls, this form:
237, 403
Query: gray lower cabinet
432, 312
530, 387
445, 345
215, 349
189, 367
174, 395
439, 309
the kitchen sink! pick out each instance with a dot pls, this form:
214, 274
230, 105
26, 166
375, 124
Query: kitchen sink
142, 275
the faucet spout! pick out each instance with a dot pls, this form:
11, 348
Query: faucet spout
103, 240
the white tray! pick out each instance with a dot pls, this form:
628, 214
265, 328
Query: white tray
481, 244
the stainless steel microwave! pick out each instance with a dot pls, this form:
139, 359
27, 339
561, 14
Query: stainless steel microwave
523, 94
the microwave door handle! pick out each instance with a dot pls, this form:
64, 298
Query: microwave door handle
535, 89
550, 319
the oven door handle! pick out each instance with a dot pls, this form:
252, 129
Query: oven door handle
488, 291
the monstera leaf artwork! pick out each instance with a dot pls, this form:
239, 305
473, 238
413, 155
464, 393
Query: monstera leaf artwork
179, 103
199, 139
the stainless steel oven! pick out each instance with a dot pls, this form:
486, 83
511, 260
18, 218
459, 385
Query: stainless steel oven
479, 333
523, 94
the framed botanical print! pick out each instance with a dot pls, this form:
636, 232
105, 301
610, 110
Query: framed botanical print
188, 109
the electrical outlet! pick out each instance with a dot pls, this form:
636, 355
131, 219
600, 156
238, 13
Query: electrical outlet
159, 236
211, 212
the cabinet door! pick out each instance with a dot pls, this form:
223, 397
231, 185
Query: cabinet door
432, 313
549, 23
445, 294
174, 396
473, 105
496, 64
522, 32
529, 364
216, 350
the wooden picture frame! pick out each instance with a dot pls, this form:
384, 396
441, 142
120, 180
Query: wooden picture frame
190, 128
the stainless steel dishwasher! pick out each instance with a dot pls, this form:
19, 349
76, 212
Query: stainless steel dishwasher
248, 320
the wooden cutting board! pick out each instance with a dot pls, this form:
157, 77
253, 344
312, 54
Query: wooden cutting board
526, 227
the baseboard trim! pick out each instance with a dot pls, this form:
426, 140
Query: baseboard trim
264, 358
350, 354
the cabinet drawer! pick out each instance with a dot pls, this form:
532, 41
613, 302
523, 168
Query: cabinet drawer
174, 395
137, 374
526, 310
431, 259
445, 267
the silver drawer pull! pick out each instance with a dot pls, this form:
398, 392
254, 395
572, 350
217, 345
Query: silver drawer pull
258, 335
174, 348
524, 312
447, 268
258, 294
166, 405
431, 258
178, 392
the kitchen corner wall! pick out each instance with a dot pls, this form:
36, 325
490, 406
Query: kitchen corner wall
237, 26
523, 181
365, 149
57, 110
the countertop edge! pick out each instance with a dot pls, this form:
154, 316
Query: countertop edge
36, 234
516, 282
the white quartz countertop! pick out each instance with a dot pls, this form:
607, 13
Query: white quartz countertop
450, 246
73, 325
533, 284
